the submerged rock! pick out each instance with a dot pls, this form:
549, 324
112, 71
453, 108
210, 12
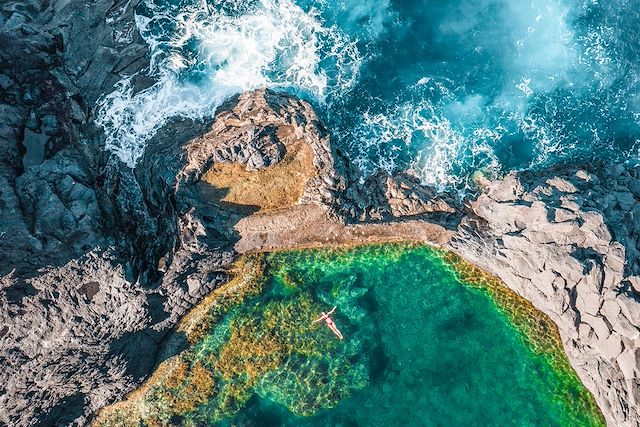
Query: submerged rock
560, 241
99, 261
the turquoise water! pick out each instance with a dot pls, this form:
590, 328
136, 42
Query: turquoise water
444, 87
420, 348
433, 352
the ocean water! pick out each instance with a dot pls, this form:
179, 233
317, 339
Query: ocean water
421, 347
444, 87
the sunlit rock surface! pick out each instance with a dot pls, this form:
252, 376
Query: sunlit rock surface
98, 261
565, 239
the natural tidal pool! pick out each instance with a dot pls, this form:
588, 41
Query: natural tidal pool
428, 340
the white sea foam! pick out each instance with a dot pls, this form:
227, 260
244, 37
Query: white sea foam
201, 54
205, 54
538, 53
439, 149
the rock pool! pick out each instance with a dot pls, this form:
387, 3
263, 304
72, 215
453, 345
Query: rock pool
429, 340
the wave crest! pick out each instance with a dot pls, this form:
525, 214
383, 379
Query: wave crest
201, 55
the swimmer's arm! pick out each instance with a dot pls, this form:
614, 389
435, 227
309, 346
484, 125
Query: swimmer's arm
332, 310
318, 319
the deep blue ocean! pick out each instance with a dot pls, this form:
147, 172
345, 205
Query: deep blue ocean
445, 88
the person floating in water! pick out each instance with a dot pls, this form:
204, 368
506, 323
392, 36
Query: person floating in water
330, 323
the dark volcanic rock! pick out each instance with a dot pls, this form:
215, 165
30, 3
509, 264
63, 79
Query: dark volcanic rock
99, 261
34, 144
58, 341
80, 297
387, 197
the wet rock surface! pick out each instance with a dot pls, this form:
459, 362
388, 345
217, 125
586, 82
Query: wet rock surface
99, 261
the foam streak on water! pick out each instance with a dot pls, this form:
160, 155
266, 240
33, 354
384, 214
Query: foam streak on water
445, 88
202, 54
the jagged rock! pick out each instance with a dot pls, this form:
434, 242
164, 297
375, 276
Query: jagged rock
76, 112
592, 254
254, 128
61, 340
34, 144
382, 196
49, 124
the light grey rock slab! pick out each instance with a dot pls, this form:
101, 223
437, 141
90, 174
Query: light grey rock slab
572, 227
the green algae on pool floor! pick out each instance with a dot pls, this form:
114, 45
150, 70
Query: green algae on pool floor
424, 345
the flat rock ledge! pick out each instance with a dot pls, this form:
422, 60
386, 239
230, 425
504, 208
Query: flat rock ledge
99, 262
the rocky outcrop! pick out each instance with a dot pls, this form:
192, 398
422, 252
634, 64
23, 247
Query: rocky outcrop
386, 197
56, 59
63, 343
253, 129
72, 313
85, 286
99, 261
566, 239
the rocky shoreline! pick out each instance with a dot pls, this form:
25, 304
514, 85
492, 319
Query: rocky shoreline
565, 240
99, 261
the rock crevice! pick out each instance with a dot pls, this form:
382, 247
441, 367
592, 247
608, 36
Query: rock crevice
99, 261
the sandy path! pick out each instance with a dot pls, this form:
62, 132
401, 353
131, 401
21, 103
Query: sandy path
308, 226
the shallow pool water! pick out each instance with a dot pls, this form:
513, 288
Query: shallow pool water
421, 347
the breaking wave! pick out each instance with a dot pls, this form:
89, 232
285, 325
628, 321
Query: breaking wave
202, 54
445, 88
